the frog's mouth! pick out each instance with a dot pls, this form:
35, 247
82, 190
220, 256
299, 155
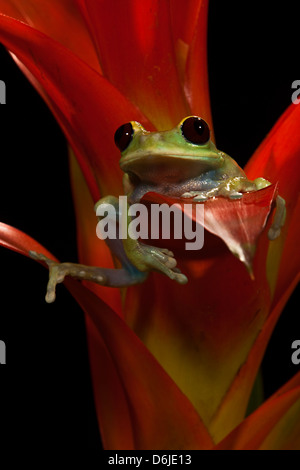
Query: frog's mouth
157, 168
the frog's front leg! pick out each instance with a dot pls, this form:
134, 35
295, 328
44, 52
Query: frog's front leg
123, 277
136, 255
58, 272
151, 258
136, 258
126, 276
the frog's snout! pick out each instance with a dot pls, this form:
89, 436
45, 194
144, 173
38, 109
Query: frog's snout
151, 140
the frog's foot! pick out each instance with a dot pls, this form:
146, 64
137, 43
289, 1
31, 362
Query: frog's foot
280, 211
58, 272
232, 188
148, 258
200, 196
279, 219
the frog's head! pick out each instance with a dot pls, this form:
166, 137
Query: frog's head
178, 154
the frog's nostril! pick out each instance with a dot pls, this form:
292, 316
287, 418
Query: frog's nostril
151, 139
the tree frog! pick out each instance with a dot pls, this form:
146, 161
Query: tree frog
182, 162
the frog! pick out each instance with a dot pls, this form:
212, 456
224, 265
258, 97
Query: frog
183, 163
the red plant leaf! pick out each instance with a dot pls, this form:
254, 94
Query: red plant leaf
132, 33
202, 332
138, 405
162, 417
237, 222
18, 241
91, 250
278, 157
196, 74
184, 19
60, 20
87, 106
270, 427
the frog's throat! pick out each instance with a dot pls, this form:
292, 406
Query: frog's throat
210, 159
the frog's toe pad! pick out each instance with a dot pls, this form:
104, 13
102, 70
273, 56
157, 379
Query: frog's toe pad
162, 260
165, 256
180, 278
57, 274
235, 195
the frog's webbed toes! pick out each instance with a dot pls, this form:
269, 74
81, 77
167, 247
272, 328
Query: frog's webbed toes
164, 256
199, 196
179, 277
235, 195
58, 272
162, 259
56, 276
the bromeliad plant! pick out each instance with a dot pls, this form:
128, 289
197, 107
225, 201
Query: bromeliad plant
179, 361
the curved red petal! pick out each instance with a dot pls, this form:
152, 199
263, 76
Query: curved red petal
289, 272
185, 16
32, 80
18, 241
59, 19
278, 155
111, 402
278, 159
238, 223
138, 405
286, 433
91, 250
260, 429
135, 46
88, 108
196, 84
235, 402
202, 332
161, 415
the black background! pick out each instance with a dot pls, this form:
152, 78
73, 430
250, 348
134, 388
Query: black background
45, 387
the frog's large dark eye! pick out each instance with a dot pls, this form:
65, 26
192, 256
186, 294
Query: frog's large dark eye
123, 136
195, 130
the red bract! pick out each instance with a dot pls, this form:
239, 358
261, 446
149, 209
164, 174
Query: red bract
179, 361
